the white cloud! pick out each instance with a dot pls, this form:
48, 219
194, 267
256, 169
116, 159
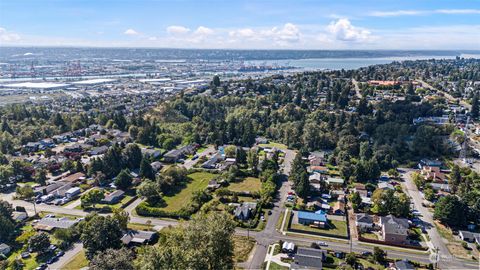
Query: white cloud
288, 33
458, 11
343, 30
203, 31
7, 36
130, 32
177, 30
395, 13
243, 33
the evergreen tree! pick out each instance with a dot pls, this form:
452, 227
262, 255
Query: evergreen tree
475, 107
146, 170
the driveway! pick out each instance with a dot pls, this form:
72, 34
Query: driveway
67, 257
427, 216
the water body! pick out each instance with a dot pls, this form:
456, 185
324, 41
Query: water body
340, 63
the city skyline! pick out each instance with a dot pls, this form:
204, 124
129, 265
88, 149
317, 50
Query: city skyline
447, 25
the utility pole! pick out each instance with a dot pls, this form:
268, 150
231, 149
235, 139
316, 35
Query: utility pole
436, 257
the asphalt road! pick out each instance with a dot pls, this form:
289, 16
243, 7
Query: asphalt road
67, 257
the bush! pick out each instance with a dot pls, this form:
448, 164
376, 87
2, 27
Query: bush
465, 245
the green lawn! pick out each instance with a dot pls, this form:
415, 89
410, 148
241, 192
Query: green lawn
125, 199
338, 228
140, 227
273, 144
251, 184
276, 266
77, 262
199, 182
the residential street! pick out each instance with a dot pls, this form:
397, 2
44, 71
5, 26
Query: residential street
69, 255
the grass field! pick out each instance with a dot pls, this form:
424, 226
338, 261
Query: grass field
199, 182
242, 248
77, 262
251, 184
273, 144
276, 266
338, 228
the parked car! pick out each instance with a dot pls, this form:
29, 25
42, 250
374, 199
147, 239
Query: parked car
366, 253
322, 244
25, 255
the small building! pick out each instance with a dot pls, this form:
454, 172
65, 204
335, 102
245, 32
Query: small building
72, 192
74, 178
5, 249
364, 222
308, 258
213, 185
318, 218
338, 208
468, 236
288, 247
49, 224
114, 197
245, 211
135, 238
100, 150
19, 216
385, 186
404, 265
156, 166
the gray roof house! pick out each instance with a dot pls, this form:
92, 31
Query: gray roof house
113, 197
245, 210
5, 249
364, 221
469, 236
135, 237
308, 258
394, 230
48, 224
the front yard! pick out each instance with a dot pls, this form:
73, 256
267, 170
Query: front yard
336, 228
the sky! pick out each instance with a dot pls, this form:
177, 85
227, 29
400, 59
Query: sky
236, 24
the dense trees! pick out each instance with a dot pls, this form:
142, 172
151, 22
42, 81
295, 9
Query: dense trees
299, 177
451, 210
179, 246
39, 242
113, 259
387, 202
7, 225
123, 180
92, 197
100, 233
150, 190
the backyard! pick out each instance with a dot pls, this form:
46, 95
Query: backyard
249, 184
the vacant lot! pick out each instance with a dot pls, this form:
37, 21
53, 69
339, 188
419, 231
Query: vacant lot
242, 248
273, 144
336, 228
250, 184
199, 181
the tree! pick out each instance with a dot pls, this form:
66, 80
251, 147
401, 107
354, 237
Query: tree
150, 190
25, 192
133, 156
455, 178
303, 185
112, 161
356, 200
241, 156
6, 209
123, 180
351, 259
253, 161
113, 259
92, 197
41, 177
7, 227
475, 107
216, 81
39, 242
122, 217
146, 170
100, 233
451, 211
79, 166
379, 255
179, 248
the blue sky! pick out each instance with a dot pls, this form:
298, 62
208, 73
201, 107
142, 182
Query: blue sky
273, 24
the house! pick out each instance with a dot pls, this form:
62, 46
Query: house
404, 265
318, 218
156, 166
385, 186
44, 190
113, 197
338, 208
5, 249
335, 182
174, 155
440, 187
308, 258
261, 140
74, 178
433, 173
19, 216
245, 211
151, 153
32, 146
49, 224
72, 192
429, 163
62, 191
364, 222
288, 247
319, 169
100, 150
135, 237
468, 236
213, 185
394, 230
